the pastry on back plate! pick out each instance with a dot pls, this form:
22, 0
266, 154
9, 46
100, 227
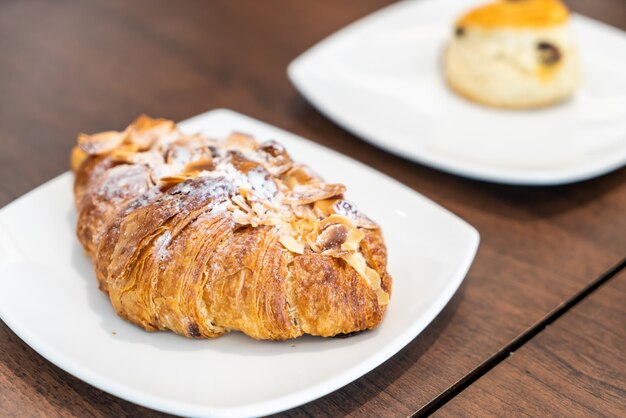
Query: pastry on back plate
202, 236
513, 54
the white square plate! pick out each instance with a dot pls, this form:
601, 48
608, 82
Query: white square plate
49, 297
381, 78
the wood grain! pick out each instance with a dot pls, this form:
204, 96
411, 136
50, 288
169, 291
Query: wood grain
576, 367
70, 66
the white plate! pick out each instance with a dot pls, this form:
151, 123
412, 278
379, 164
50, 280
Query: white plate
49, 298
381, 79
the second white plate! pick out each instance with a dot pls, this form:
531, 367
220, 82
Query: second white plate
381, 79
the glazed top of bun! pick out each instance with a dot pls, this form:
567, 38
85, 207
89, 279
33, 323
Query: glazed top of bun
516, 14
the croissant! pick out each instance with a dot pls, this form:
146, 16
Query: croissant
202, 236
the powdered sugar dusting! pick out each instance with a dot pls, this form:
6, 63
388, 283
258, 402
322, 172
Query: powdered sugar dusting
162, 181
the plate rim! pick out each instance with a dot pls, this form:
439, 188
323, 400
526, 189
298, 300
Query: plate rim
296, 70
278, 404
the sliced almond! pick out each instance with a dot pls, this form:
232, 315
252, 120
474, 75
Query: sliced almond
291, 244
78, 157
279, 161
174, 179
331, 237
323, 208
125, 154
357, 262
274, 149
305, 194
353, 240
347, 209
144, 131
241, 202
241, 141
299, 175
337, 219
101, 143
200, 165
241, 163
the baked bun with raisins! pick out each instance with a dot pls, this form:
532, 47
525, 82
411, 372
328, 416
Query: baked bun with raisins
513, 54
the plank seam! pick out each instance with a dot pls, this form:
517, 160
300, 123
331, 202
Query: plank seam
517, 343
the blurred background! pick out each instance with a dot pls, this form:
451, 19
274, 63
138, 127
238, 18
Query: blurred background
96, 64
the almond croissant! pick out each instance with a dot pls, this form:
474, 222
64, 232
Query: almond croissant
202, 237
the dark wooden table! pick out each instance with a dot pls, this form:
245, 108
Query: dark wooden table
549, 257
575, 365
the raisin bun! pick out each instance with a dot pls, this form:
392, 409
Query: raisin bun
513, 54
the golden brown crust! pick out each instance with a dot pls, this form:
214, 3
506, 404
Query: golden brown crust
332, 298
202, 237
516, 14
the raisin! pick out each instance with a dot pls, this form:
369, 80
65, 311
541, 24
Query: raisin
548, 53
